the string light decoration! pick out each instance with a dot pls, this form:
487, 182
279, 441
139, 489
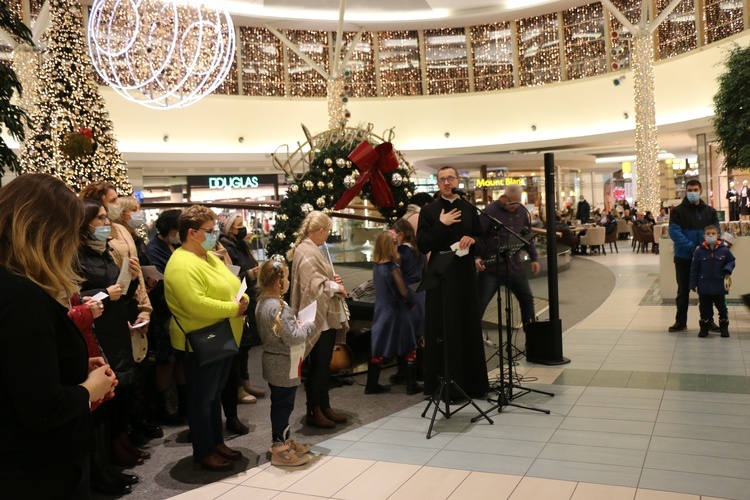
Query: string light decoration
27, 63
677, 34
69, 102
447, 65
538, 50
16, 7
646, 137
722, 18
492, 52
338, 93
361, 65
304, 81
229, 86
400, 67
262, 63
584, 41
35, 6
161, 54
620, 39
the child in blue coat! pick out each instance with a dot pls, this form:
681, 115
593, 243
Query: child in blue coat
712, 263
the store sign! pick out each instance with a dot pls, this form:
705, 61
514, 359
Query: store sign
233, 182
499, 182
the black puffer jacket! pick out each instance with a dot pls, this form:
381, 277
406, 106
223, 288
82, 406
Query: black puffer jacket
239, 252
111, 328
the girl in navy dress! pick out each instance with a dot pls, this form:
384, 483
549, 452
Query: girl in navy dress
392, 329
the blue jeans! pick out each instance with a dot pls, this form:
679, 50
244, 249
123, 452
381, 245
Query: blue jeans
488, 285
282, 405
203, 385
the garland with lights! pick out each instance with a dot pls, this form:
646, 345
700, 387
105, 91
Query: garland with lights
69, 114
328, 175
732, 110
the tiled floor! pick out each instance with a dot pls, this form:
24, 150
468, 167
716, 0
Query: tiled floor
639, 414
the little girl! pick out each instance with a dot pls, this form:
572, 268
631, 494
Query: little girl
282, 336
392, 329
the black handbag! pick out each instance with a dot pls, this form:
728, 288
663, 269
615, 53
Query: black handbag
211, 343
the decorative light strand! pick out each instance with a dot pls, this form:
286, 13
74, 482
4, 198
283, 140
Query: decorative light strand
400, 68
677, 33
722, 18
361, 65
646, 137
447, 65
303, 80
538, 50
492, 51
584, 41
262, 63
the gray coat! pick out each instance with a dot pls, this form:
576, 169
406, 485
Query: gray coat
276, 355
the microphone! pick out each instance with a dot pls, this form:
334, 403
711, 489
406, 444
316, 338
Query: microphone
459, 192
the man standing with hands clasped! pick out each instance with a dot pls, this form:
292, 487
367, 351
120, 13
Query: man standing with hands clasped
687, 222
442, 223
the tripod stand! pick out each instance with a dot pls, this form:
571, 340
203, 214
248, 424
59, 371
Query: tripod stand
435, 277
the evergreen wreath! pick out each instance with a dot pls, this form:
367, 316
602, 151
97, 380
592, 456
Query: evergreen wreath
329, 174
732, 110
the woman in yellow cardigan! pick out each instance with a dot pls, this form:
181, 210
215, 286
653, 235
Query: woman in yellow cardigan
200, 291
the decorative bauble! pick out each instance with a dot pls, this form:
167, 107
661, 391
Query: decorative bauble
321, 202
321, 185
355, 174
328, 162
329, 185
284, 217
294, 188
397, 180
400, 204
306, 208
330, 170
280, 236
349, 163
308, 185
408, 194
340, 162
349, 182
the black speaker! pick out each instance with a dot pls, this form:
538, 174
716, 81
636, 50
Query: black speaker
544, 343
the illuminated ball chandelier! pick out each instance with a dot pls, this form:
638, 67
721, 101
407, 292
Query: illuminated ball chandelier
161, 53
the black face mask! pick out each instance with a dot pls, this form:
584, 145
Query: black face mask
241, 233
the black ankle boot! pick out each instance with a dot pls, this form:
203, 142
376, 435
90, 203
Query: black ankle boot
704, 328
373, 375
724, 327
412, 386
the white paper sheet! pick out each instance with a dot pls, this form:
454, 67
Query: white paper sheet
296, 354
141, 324
234, 269
243, 287
100, 296
152, 272
307, 315
124, 278
460, 252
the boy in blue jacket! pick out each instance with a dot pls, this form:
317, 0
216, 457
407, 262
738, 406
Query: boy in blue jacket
712, 263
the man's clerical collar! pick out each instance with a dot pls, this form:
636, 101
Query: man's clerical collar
451, 200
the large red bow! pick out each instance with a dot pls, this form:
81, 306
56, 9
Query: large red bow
372, 163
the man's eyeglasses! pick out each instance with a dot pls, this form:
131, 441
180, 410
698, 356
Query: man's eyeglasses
213, 231
443, 180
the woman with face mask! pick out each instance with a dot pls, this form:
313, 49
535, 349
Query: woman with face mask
100, 273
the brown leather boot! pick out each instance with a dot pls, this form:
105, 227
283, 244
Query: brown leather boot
333, 416
315, 418
213, 463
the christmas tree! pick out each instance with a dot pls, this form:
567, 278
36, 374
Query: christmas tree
11, 116
732, 110
71, 133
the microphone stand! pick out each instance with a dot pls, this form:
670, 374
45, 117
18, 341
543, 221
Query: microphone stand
505, 393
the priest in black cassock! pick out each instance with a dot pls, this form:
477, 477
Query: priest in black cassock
445, 221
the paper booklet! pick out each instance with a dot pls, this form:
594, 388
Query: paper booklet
124, 278
307, 315
460, 252
243, 287
152, 272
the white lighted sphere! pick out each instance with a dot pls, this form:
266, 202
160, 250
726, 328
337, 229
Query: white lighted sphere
161, 53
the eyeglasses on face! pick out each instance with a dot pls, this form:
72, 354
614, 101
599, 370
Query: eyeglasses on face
206, 230
102, 218
443, 180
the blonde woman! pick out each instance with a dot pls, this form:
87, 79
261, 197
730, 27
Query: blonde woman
47, 381
313, 280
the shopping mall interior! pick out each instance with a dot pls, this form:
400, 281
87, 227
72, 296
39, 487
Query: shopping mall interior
487, 87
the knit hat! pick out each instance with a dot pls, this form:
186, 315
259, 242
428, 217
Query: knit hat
226, 221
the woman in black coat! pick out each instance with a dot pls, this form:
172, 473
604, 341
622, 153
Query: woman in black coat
47, 380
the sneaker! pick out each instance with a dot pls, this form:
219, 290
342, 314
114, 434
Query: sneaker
678, 327
299, 448
282, 455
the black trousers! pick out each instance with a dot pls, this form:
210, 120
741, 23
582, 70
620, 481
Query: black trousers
682, 273
706, 305
318, 375
282, 405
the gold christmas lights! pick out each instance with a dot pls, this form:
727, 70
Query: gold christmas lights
677, 33
646, 138
445, 55
303, 80
721, 18
538, 50
262, 62
400, 68
361, 65
492, 51
584, 41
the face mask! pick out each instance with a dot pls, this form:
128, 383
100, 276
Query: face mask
210, 242
241, 233
175, 240
693, 197
136, 219
101, 233
711, 240
115, 212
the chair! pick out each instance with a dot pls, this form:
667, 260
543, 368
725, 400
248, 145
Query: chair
611, 238
623, 229
642, 239
594, 238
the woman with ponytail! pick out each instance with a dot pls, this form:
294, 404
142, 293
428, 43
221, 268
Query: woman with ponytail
283, 346
313, 280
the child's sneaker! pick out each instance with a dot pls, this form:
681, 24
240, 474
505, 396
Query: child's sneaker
299, 448
283, 455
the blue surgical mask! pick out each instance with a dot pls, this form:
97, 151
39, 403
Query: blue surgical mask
136, 219
210, 242
101, 233
711, 240
693, 197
